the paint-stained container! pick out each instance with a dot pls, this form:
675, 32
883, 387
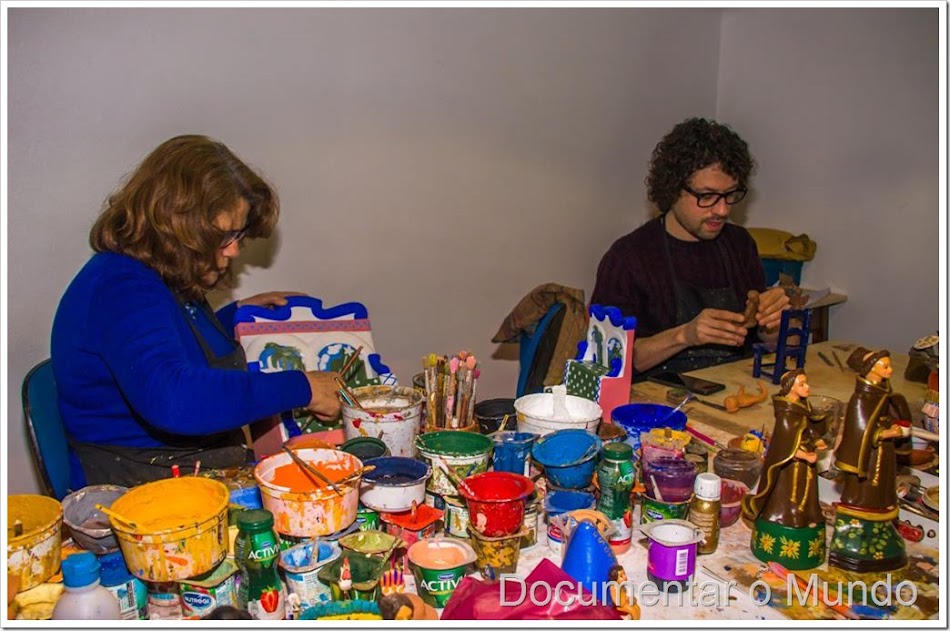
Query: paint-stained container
496, 501
569, 457
439, 565
456, 517
512, 451
536, 414
301, 565
495, 556
389, 413
303, 507
671, 557
33, 555
181, 527
203, 594
453, 455
556, 503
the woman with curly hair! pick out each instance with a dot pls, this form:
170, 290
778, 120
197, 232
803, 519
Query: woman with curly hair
687, 274
148, 376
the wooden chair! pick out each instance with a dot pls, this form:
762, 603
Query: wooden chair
793, 337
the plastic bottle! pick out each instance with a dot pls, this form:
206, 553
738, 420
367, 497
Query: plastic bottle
261, 592
128, 590
615, 478
704, 510
85, 598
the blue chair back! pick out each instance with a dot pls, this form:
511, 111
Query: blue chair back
533, 356
45, 429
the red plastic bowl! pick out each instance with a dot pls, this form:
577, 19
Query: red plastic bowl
496, 502
731, 501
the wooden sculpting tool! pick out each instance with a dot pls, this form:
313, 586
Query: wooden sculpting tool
825, 359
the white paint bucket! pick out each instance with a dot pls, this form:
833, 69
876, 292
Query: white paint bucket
392, 414
536, 414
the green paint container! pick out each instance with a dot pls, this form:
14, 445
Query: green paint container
655, 510
439, 565
463, 453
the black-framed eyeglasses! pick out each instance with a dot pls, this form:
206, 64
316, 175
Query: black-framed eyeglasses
230, 236
708, 200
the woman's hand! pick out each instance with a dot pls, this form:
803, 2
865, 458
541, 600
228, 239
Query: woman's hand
269, 299
324, 402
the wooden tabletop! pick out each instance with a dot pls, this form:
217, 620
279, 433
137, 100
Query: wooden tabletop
824, 380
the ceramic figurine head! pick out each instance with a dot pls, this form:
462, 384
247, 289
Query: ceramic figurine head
872, 365
794, 385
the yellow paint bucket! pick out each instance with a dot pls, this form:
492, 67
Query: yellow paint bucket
34, 555
181, 528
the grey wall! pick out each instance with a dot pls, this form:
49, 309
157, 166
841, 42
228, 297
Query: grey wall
437, 164
841, 107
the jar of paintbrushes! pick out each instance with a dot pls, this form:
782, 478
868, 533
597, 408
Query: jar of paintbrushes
450, 391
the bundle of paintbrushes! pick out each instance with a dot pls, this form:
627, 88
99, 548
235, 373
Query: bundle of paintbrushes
450, 389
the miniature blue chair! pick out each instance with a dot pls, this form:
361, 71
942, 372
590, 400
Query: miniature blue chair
795, 324
45, 429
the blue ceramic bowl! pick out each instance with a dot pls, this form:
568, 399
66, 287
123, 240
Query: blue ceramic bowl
642, 417
568, 457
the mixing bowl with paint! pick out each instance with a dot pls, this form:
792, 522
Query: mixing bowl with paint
180, 527
496, 501
453, 455
538, 413
34, 539
669, 479
671, 557
88, 525
389, 413
568, 457
394, 484
304, 506
643, 417
439, 565
731, 501
301, 565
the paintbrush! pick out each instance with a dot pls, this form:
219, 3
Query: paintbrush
114, 515
704, 438
349, 393
349, 362
303, 464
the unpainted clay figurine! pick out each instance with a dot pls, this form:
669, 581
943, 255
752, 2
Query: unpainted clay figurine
789, 527
865, 537
751, 308
742, 400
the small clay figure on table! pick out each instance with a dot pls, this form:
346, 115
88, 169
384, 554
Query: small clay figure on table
788, 524
865, 538
621, 595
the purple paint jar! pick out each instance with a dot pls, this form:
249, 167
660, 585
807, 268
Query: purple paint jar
673, 476
671, 558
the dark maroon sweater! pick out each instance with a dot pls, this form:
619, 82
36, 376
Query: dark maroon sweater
634, 276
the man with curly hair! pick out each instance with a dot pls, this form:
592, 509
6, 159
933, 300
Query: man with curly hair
686, 275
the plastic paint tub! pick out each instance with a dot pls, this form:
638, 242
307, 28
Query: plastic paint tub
204, 593
439, 565
301, 506
568, 457
301, 568
390, 413
495, 556
456, 517
34, 556
181, 528
557, 503
88, 525
535, 414
394, 484
496, 502
655, 510
511, 451
463, 453
365, 572
642, 417
412, 525
671, 557
365, 448
495, 415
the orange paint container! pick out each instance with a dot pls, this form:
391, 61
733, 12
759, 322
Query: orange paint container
181, 528
302, 506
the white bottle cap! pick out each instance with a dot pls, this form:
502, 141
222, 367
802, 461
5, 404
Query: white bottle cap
708, 486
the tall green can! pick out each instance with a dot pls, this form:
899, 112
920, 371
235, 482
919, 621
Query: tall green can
256, 550
615, 479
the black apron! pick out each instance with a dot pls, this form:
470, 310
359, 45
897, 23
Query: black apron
130, 466
690, 301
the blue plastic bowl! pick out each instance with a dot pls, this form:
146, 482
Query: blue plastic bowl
568, 457
560, 502
642, 417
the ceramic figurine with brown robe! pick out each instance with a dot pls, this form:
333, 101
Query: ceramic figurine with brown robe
865, 537
788, 526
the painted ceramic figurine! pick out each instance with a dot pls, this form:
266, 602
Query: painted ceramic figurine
788, 525
865, 537
620, 595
